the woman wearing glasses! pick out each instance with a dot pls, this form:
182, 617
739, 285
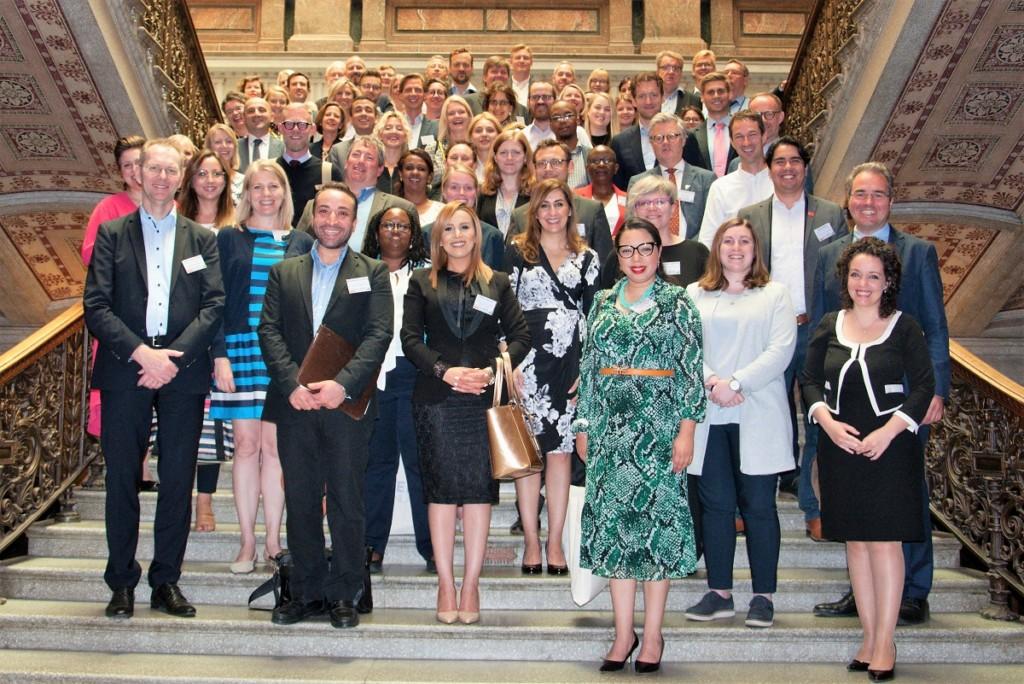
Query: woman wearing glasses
641, 396
656, 199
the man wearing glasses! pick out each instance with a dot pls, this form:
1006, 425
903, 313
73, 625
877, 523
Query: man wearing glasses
563, 122
304, 170
669, 66
542, 96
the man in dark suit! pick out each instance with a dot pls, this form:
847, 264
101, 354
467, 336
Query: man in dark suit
321, 447
669, 65
712, 138
364, 118
304, 170
260, 143
793, 227
153, 300
869, 191
692, 183
632, 146
551, 159
422, 130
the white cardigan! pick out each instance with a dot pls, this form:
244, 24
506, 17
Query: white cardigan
753, 339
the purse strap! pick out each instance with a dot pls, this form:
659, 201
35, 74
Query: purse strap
499, 381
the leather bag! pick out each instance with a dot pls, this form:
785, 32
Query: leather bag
514, 449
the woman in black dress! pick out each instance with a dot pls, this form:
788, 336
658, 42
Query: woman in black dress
870, 461
455, 313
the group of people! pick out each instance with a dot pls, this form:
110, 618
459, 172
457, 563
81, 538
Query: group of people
660, 287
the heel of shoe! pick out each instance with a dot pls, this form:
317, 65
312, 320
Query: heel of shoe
617, 665
643, 667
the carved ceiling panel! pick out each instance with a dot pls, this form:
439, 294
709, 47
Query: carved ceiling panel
957, 131
50, 243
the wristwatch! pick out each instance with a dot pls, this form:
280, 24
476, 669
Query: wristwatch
734, 385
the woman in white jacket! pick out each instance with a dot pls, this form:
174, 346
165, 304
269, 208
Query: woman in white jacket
749, 332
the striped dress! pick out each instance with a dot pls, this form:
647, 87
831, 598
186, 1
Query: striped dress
250, 373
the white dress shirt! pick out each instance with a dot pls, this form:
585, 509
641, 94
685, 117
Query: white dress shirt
158, 238
787, 235
729, 194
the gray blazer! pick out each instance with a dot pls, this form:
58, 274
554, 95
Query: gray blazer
276, 150
819, 212
698, 181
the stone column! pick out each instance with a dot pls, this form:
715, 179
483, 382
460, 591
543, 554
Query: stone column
271, 29
321, 26
723, 41
373, 38
673, 25
620, 27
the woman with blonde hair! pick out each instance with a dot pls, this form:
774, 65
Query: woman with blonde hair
508, 177
343, 92
456, 312
483, 129
599, 81
263, 237
597, 118
223, 142
452, 128
277, 97
392, 130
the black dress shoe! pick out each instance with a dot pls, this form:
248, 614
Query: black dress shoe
913, 612
844, 607
148, 485
343, 614
884, 675
296, 611
643, 667
168, 598
122, 603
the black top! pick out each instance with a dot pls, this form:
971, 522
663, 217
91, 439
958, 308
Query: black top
681, 264
486, 206
303, 180
600, 139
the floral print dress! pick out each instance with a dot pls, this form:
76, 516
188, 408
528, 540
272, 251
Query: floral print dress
555, 304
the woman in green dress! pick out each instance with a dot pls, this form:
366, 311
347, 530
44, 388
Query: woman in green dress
641, 396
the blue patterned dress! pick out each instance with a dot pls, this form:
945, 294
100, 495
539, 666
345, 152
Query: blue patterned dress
636, 521
250, 373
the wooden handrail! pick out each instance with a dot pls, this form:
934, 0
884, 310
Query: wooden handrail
23, 354
992, 378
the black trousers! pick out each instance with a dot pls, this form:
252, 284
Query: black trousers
124, 436
324, 450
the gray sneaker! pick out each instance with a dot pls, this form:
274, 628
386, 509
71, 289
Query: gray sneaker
761, 613
711, 607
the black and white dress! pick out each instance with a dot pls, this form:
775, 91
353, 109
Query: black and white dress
555, 305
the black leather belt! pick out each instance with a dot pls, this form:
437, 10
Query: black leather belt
158, 341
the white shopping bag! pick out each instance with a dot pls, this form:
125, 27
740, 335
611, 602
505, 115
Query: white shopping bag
401, 519
585, 585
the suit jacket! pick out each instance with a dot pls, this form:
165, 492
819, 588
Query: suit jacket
115, 303
588, 212
700, 137
486, 206
920, 294
698, 181
630, 155
587, 192
276, 150
819, 212
380, 202
427, 128
685, 99
304, 181
364, 319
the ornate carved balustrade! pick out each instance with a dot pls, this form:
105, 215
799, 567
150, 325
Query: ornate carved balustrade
43, 450
975, 464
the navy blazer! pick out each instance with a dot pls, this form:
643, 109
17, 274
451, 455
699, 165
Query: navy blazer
703, 160
115, 301
920, 294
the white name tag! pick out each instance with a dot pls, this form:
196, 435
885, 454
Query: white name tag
193, 264
427, 139
828, 385
521, 121
824, 232
687, 196
671, 267
361, 284
484, 304
894, 389
581, 229
621, 199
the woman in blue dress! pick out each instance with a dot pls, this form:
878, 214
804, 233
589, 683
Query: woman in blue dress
263, 238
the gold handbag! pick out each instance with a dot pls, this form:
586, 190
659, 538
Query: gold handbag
514, 449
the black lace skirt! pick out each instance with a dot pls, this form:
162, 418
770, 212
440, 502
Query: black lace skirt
455, 456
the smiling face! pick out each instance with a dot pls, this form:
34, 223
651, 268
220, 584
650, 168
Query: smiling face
210, 180
510, 158
787, 170
354, 68
277, 102
625, 111
435, 97
639, 269
394, 235
415, 174
553, 213
266, 193
298, 120
459, 187
692, 120
600, 112
362, 166
334, 214
257, 116
869, 202
458, 121
667, 141
457, 237
671, 71
716, 97
541, 97
364, 116
332, 118
574, 96
344, 97
298, 88
412, 95
460, 153
483, 134
253, 88
563, 120
866, 281
771, 114
736, 252
130, 165
436, 68
550, 163
562, 76
461, 68
647, 99
601, 165
500, 106
748, 141
522, 62
371, 86
161, 175
392, 133
655, 207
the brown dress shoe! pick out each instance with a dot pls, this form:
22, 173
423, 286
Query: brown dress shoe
814, 530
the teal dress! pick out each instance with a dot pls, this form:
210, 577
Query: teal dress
636, 521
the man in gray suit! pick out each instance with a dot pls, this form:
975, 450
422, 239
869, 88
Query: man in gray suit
364, 118
668, 135
551, 159
260, 143
793, 226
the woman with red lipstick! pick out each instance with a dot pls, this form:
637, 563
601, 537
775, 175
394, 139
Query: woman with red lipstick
641, 396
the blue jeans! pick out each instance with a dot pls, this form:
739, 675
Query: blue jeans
393, 434
722, 487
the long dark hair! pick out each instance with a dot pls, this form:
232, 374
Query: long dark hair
417, 253
528, 242
188, 201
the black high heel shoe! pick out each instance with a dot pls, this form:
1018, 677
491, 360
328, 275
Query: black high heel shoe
616, 665
884, 675
857, 666
643, 667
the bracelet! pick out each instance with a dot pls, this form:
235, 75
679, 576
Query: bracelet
440, 368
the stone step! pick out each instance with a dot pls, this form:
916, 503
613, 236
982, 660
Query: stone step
87, 539
408, 586
30, 667
92, 501
525, 635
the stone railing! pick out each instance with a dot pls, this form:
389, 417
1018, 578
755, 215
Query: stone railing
179, 66
43, 449
975, 465
817, 67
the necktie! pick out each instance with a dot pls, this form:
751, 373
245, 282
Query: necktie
721, 149
256, 149
294, 163
673, 222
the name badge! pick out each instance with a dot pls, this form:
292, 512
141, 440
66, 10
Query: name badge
484, 304
671, 267
193, 264
894, 389
427, 139
356, 285
688, 196
828, 385
621, 199
521, 121
824, 232
581, 229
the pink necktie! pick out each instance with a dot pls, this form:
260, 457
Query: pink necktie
721, 149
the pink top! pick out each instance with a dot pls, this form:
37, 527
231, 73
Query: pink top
108, 209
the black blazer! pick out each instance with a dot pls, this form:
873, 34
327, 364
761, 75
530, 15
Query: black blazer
486, 207
630, 155
702, 157
427, 338
115, 303
364, 319
235, 248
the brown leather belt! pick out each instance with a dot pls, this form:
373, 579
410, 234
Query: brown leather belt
802, 319
654, 372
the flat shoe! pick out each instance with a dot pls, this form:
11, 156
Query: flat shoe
243, 567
